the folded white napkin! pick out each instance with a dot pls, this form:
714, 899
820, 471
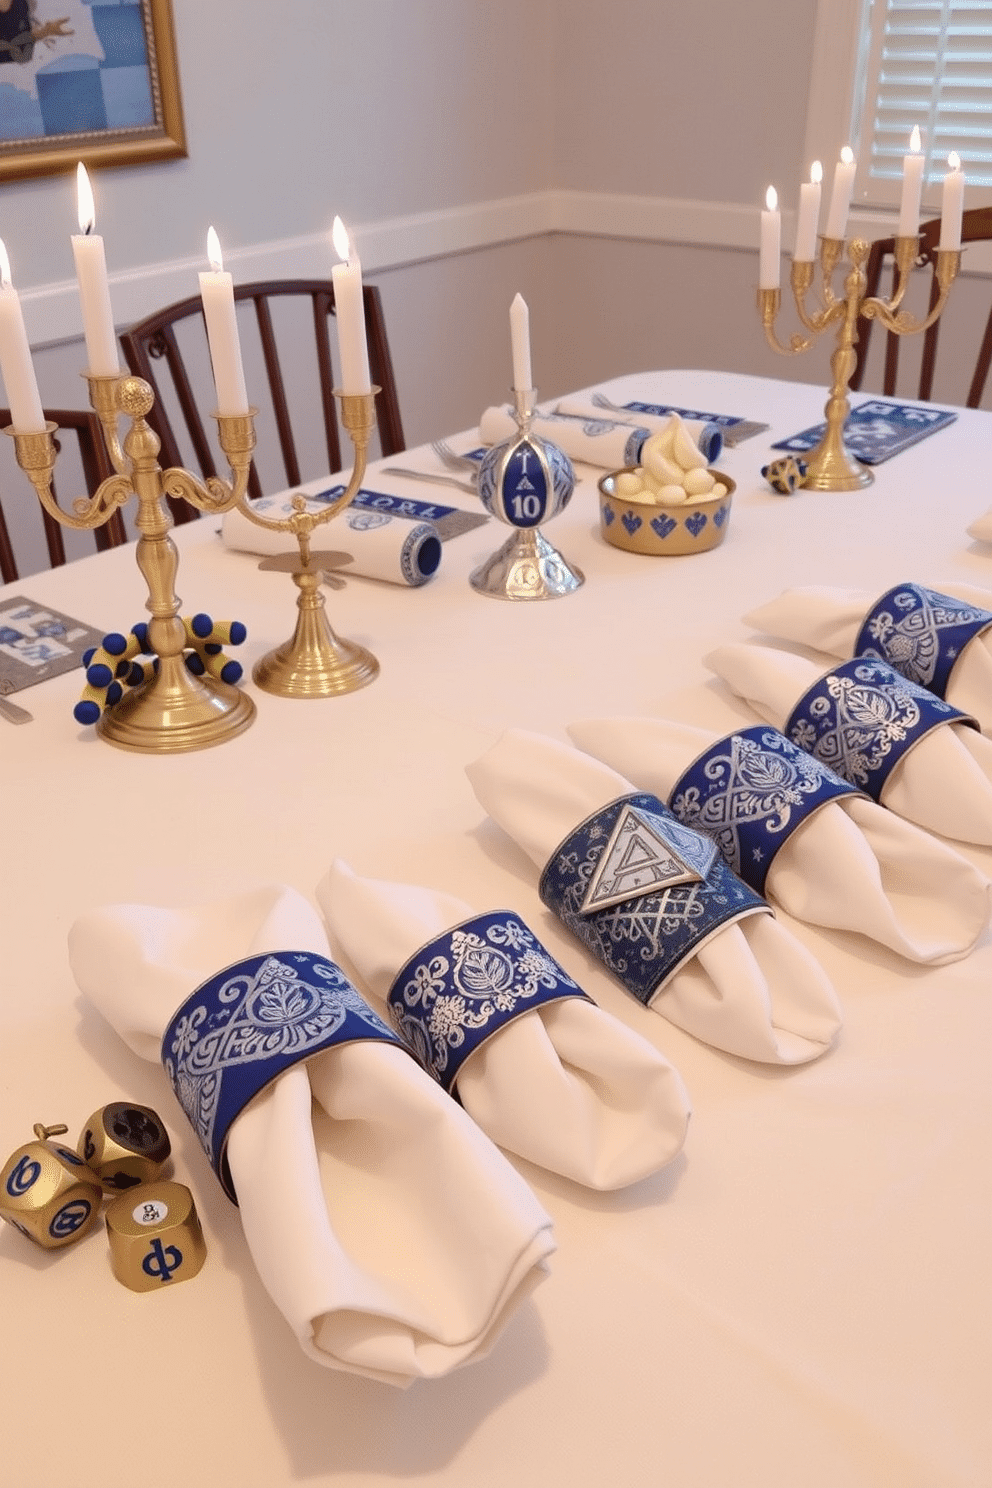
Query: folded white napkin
828, 619
852, 865
944, 783
708, 437
565, 1085
380, 545
390, 1232
603, 442
751, 988
981, 528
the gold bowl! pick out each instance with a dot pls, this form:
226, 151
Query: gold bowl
663, 531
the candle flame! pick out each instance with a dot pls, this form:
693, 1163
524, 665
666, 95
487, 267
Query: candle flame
816, 173
84, 200
213, 251
341, 240
847, 155
771, 198
915, 140
954, 160
4, 266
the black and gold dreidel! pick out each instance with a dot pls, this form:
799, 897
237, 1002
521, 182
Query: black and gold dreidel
155, 1236
48, 1192
125, 1145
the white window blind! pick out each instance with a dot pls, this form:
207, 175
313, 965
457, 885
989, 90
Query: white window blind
925, 62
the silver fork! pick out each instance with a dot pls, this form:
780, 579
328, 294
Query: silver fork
432, 479
454, 461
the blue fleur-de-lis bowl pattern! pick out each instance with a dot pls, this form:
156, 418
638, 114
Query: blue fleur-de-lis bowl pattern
642, 940
663, 531
467, 984
920, 633
750, 792
861, 718
245, 1026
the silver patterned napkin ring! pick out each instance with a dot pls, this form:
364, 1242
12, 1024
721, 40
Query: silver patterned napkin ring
465, 985
245, 1026
862, 718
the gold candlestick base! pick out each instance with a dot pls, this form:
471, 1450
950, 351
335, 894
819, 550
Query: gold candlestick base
315, 662
176, 712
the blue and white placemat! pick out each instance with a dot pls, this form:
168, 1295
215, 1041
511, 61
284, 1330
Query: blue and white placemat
876, 431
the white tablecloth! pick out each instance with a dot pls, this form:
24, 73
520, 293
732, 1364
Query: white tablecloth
801, 1300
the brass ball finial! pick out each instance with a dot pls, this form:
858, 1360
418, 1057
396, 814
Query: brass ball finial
134, 397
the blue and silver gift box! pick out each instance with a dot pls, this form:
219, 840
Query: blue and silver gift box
750, 792
245, 1026
467, 984
921, 633
642, 891
862, 718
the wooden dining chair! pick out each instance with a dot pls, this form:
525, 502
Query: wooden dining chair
287, 351
976, 227
91, 465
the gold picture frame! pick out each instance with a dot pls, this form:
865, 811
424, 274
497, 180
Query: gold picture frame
110, 99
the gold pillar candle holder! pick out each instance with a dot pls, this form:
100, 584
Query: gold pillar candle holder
315, 662
174, 711
831, 466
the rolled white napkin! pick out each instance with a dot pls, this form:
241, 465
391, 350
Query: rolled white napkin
751, 988
603, 442
852, 865
708, 437
565, 1085
390, 1232
943, 784
981, 528
380, 545
829, 620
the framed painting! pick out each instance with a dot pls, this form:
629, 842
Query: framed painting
90, 80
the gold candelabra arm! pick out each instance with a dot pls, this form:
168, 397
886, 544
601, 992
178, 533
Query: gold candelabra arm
769, 301
358, 418
236, 432
104, 402
901, 321
36, 455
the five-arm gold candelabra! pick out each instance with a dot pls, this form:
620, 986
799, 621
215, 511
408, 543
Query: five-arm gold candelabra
831, 466
175, 711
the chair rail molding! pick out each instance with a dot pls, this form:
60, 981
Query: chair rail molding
52, 313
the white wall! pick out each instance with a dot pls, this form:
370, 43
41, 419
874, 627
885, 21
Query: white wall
605, 157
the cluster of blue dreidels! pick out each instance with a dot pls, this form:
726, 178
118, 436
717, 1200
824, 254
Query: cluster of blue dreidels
117, 663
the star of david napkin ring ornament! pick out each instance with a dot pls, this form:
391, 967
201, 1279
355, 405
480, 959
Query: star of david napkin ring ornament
749, 792
524, 481
467, 984
862, 718
244, 1026
116, 664
920, 633
642, 891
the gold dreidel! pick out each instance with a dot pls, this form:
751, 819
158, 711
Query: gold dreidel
831, 466
125, 1145
315, 662
155, 1237
48, 1192
174, 710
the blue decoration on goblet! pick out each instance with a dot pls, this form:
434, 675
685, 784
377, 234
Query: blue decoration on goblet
523, 482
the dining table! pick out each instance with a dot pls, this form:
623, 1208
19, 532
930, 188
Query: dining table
799, 1299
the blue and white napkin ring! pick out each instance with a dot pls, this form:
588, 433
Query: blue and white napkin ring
920, 633
861, 718
642, 891
465, 985
244, 1027
750, 791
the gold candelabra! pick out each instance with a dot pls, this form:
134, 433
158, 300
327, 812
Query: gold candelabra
175, 711
315, 662
831, 466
